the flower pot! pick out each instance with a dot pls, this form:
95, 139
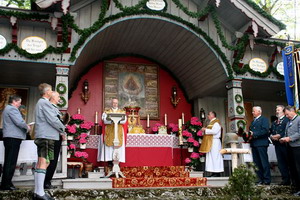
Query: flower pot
88, 132
88, 167
69, 155
184, 140
202, 159
70, 137
200, 141
77, 125
82, 146
190, 149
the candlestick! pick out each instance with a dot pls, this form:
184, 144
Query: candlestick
166, 122
182, 116
148, 121
180, 131
96, 117
78, 110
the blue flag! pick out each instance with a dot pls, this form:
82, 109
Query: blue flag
289, 78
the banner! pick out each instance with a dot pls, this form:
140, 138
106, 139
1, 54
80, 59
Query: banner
297, 78
289, 78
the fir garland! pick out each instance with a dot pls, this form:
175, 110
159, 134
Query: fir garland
239, 110
23, 16
238, 98
61, 88
62, 103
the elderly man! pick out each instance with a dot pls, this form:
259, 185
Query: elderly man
212, 145
277, 131
14, 131
107, 148
259, 143
292, 139
47, 130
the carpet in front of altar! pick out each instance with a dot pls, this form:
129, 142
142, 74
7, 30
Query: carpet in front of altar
159, 176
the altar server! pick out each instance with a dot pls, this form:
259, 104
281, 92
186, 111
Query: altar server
14, 131
212, 145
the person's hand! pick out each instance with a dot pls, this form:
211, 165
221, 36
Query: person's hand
275, 137
285, 140
203, 129
28, 128
63, 137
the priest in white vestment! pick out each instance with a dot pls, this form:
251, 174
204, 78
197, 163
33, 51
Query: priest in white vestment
214, 160
106, 147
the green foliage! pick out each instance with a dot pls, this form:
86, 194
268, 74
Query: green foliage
241, 184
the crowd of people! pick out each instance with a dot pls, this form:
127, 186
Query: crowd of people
284, 133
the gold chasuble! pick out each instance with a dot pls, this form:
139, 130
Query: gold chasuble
208, 139
110, 130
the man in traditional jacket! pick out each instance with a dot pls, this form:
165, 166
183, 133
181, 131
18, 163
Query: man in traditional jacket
107, 148
277, 131
292, 139
212, 145
259, 129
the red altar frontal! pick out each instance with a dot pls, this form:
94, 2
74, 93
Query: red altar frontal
145, 150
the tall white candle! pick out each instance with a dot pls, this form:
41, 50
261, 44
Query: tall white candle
96, 117
182, 118
78, 111
166, 121
148, 121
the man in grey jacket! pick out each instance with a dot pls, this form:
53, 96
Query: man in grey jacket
47, 129
14, 131
292, 138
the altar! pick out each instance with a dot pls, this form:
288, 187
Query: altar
147, 150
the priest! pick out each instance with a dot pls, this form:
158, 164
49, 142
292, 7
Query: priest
212, 145
106, 144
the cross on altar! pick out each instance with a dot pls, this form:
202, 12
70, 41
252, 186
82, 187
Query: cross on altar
116, 118
231, 139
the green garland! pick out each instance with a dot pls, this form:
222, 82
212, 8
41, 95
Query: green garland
238, 98
63, 90
63, 102
239, 110
139, 9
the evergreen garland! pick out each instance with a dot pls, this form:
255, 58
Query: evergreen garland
139, 9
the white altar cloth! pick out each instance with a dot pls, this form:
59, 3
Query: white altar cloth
27, 153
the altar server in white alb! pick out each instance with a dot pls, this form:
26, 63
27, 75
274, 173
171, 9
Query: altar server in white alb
106, 146
212, 145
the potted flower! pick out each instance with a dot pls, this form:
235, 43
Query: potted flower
155, 128
82, 138
76, 119
86, 127
71, 148
80, 154
173, 128
71, 131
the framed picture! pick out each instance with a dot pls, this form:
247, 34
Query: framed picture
133, 85
5, 92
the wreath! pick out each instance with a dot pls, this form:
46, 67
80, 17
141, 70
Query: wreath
239, 110
241, 123
61, 88
238, 98
62, 102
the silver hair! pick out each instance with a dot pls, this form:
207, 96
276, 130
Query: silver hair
258, 108
280, 106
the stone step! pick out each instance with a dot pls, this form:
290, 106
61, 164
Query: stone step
87, 183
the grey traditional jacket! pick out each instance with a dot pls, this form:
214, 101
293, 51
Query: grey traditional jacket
47, 124
293, 131
14, 125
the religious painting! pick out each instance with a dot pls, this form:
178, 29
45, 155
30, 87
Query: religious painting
5, 92
133, 85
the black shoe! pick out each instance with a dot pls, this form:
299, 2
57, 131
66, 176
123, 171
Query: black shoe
44, 197
11, 188
49, 187
297, 194
215, 175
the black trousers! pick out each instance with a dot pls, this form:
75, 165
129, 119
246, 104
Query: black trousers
282, 159
294, 164
53, 163
12, 147
260, 158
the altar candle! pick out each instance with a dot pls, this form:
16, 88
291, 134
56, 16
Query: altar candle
179, 123
78, 110
96, 118
148, 121
182, 118
166, 120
